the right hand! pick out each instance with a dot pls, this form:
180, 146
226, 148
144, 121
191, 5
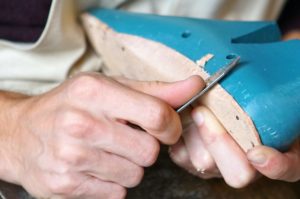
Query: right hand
207, 151
75, 141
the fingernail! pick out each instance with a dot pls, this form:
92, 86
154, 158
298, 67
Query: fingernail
257, 158
198, 117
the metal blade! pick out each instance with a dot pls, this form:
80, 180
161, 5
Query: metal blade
211, 81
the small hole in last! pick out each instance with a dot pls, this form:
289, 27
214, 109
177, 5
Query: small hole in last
231, 56
186, 34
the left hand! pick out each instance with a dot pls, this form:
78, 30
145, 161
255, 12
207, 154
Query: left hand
207, 150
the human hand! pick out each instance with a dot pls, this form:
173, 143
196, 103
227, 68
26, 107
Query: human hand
207, 150
294, 34
276, 165
75, 141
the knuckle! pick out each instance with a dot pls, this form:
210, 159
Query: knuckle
180, 159
68, 157
207, 162
64, 185
135, 178
75, 159
118, 192
160, 115
84, 87
277, 170
279, 173
75, 123
150, 152
62, 167
179, 155
211, 138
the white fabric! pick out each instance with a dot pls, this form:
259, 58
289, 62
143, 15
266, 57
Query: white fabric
216, 9
38, 67
24, 66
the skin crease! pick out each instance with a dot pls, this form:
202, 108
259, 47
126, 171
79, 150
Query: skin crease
206, 146
74, 141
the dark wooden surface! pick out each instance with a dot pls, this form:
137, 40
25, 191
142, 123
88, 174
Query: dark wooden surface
165, 180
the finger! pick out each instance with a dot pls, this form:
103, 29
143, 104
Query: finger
180, 156
199, 156
175, 93
230, 159
131, 144
123, 103
113, 168
80, 130
103, 165
276, 165
77, 185
172, 93
94, 188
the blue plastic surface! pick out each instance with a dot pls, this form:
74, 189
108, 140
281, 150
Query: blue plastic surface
267, 82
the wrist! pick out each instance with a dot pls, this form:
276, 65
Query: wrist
10, 111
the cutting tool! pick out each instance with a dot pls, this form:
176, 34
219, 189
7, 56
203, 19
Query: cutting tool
211, 82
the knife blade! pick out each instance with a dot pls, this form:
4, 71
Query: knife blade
211, 82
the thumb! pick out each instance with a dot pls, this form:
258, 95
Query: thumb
277, 165
173, 93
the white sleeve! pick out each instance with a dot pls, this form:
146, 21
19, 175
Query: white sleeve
37, 67
212, 9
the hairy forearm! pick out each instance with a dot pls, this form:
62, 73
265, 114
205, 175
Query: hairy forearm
10, 110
